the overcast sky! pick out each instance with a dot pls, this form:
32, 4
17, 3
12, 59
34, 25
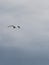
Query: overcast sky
33, 18
31, 15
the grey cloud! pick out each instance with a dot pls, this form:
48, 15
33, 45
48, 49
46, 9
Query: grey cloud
32, 22
11, 55
33, 17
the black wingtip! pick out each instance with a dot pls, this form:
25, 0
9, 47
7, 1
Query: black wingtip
18, 26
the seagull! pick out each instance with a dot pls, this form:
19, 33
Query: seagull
12, 26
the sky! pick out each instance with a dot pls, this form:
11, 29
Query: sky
33, 18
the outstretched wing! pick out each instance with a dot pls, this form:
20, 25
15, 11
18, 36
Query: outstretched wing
18, 26
12, 26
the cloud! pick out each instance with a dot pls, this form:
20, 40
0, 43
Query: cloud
32, 40
32, 16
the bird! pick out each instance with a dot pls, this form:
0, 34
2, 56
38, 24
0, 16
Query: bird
12, 26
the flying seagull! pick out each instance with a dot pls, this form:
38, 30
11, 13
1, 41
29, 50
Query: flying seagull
14, 26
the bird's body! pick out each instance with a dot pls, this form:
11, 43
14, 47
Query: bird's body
14, 27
